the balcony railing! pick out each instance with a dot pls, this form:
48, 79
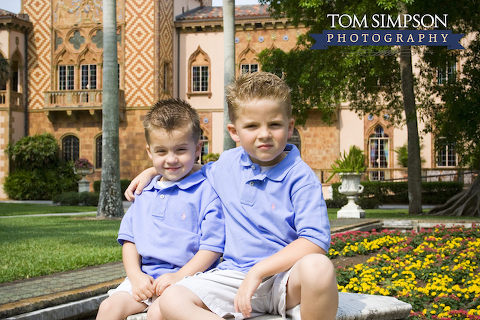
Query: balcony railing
16, 99
401, 174
78, 98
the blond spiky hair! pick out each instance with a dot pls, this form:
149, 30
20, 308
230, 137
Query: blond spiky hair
257, 85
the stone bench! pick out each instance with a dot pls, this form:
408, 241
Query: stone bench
352, 306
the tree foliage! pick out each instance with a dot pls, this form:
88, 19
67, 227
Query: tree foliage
37, 172
367, 77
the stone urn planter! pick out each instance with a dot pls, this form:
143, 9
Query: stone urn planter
350, 187
83, 167
350, 167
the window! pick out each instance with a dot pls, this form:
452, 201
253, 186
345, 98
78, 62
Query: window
378, 157
446, 156
200, 78
205, 147
66, 76
246, 68
98, 152
166, 77
89, 76
70, 148
199, 65
447, 73
3, 84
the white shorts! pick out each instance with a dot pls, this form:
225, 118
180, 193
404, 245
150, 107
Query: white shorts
126, 286
217, 289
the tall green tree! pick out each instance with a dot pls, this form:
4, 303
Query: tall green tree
370, 78
457, 120
110, 202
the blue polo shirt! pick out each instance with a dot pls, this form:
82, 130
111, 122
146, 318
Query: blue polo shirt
265, 211
169, 226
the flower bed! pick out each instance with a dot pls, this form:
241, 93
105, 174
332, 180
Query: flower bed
436, 270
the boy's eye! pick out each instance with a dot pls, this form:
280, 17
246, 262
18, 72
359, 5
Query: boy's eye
250, 126
276, 125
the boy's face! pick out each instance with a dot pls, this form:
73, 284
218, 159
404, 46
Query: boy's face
262, 127
173, 153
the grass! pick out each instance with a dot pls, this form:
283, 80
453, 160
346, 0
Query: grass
15, 209
35, 246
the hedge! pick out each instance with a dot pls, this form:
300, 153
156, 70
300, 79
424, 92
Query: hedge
74, 198
377, 192
124, 183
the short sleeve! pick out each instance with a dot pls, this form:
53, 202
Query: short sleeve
213, 227
311, 217
125, 232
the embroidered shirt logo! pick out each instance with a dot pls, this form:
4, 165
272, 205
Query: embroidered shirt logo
184, 216
273, 206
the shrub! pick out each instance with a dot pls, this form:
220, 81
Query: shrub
34, 152
124, 183
37, 173
74, 198
66, 199
397, 192
40, 184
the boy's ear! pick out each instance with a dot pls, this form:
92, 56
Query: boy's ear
291, 127
233, 132
198, 149
149, 152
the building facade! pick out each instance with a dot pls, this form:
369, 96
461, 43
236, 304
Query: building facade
166, 49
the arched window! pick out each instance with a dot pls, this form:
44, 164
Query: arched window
98, 152
199, 79
70, 148
378, 156
3, 85
296, 140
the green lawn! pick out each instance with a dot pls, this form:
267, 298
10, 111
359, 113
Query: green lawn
35, 246
14, 209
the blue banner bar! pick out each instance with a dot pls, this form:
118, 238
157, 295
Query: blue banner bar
387, 38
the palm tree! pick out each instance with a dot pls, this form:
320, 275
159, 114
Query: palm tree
229, 63
110, 202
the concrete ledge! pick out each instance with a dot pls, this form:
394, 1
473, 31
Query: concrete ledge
65, 311
352, 306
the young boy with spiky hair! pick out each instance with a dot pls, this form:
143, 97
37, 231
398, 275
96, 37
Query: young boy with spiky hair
276, 222
175, 228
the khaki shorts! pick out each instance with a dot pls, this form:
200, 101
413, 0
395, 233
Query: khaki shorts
217, 289
126, 286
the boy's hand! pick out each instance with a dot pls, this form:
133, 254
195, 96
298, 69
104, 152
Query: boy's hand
139, 182
165, 281
245, 292
142, 286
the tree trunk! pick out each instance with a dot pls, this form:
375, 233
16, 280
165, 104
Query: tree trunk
465, 203
110, 202
414, 161
229, 63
